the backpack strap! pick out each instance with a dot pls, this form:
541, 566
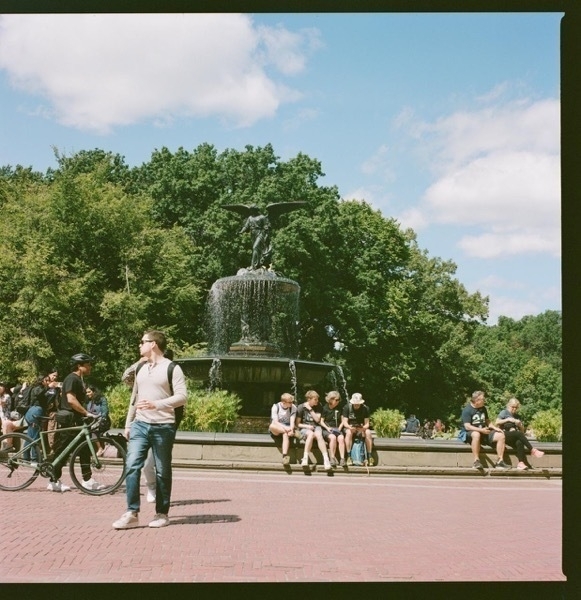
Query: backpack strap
170, 369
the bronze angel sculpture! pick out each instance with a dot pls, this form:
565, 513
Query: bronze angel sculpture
259, 226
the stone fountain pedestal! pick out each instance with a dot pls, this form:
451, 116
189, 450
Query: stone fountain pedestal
252, 326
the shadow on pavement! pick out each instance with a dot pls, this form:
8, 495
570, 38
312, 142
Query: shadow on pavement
205, 519
187, 502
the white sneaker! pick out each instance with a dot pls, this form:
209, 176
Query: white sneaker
150, 494
159, 521
327, 465
57, 486
91, 484
127, 521
305, 461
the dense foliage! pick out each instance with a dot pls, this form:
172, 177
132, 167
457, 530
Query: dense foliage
94, 252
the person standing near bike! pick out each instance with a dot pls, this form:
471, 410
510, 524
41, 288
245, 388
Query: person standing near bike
71, 413
150, 423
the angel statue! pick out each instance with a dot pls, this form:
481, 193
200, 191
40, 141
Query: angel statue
259, 226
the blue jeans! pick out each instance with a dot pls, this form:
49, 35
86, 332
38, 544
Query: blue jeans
32, 418
160, 439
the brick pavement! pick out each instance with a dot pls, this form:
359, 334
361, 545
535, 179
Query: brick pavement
269, 527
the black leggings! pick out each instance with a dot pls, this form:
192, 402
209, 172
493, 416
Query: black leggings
62, 440
518, 440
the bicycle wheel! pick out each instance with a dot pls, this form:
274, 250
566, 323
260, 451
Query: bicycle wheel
15, 472
108, 473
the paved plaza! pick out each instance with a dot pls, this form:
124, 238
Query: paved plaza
270, 527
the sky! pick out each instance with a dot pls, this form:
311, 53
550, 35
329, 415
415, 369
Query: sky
448, 123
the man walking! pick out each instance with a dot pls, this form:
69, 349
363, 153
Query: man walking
150, 423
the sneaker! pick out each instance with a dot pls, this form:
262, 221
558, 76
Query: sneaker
371, 461
91, 484
286, 459
150, 497
538, 453
501, 465
342, 462
327, 465
349, 462
127, 520
57, 486
477, 465
159, 521
521, 466
305, 461
334, 462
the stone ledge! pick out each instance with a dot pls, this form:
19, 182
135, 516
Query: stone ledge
392, 456
546, 473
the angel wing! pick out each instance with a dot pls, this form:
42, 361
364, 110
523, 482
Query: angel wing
280, 208
241, 209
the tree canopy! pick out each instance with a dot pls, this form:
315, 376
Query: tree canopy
94, 252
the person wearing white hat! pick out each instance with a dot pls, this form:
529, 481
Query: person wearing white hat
356, 422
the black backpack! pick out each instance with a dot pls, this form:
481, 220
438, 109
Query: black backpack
179, 411
23, 399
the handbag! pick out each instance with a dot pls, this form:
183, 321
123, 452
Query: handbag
21, 423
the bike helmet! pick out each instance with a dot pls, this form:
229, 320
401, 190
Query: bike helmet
81, 358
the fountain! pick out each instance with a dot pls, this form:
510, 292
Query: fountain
252, 327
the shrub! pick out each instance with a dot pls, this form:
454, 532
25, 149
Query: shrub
387, 422
118, 398
547, 425
210, 411
204, 411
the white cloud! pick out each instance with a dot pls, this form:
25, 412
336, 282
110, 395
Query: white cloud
496, 169
496, 245
510, 307
101, 71
491, 282
302, 116
368, 194
413, 218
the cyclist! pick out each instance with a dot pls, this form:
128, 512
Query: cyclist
71, 413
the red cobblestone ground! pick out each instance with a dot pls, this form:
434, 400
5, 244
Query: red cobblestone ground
254, 527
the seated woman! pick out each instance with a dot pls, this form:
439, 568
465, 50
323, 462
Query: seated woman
514, 433
332, 425
282, 423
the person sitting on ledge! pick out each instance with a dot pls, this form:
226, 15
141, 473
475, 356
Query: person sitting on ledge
514, 433
476, 430
356, 422
309, 424
332, 425
282, 423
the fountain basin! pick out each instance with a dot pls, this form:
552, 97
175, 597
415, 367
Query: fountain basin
239, 369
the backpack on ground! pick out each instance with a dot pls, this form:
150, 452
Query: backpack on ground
358, 455
178, 411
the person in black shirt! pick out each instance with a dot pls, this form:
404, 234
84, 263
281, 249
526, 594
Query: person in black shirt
309, 425
476, 429
332, 424
72, 410
356, 422
514, 432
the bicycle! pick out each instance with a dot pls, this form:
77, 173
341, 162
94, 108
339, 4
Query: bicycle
17, 473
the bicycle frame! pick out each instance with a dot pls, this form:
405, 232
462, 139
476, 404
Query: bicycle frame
84, 433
